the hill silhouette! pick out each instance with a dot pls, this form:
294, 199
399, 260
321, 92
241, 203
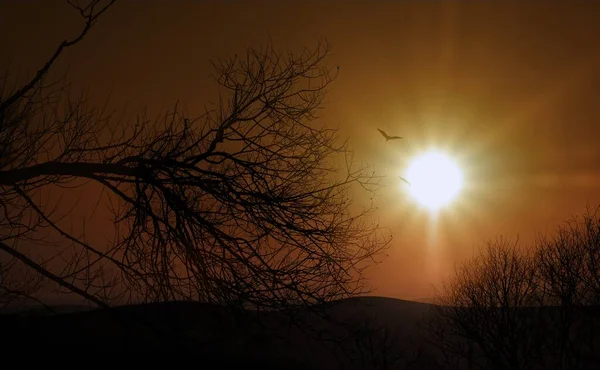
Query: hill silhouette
325, 338
356, 333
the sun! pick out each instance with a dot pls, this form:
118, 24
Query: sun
435, 179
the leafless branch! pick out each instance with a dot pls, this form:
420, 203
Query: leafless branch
243, 206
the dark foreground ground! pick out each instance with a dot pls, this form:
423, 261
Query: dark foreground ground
364, 331
360, 333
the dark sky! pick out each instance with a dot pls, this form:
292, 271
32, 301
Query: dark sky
511, 89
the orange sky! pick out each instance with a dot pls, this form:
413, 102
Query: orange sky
513, 91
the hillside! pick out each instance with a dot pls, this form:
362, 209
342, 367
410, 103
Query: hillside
206, 331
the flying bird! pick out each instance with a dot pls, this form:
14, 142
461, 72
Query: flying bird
388, 137
405, 180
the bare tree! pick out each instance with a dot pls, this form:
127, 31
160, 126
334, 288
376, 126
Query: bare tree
589, 231
244, 205
515, 310
487, 304
561, 261
18, 285
568, 270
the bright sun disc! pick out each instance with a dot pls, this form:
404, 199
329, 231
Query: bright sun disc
434, 179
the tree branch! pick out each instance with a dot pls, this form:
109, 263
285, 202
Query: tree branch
23, 258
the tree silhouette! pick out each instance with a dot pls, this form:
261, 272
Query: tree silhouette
482, 313
569, 275
244, 205
18, 284
507, 309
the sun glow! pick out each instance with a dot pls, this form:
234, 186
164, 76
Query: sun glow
435, 180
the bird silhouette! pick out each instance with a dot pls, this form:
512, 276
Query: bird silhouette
388, 137
405, 180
